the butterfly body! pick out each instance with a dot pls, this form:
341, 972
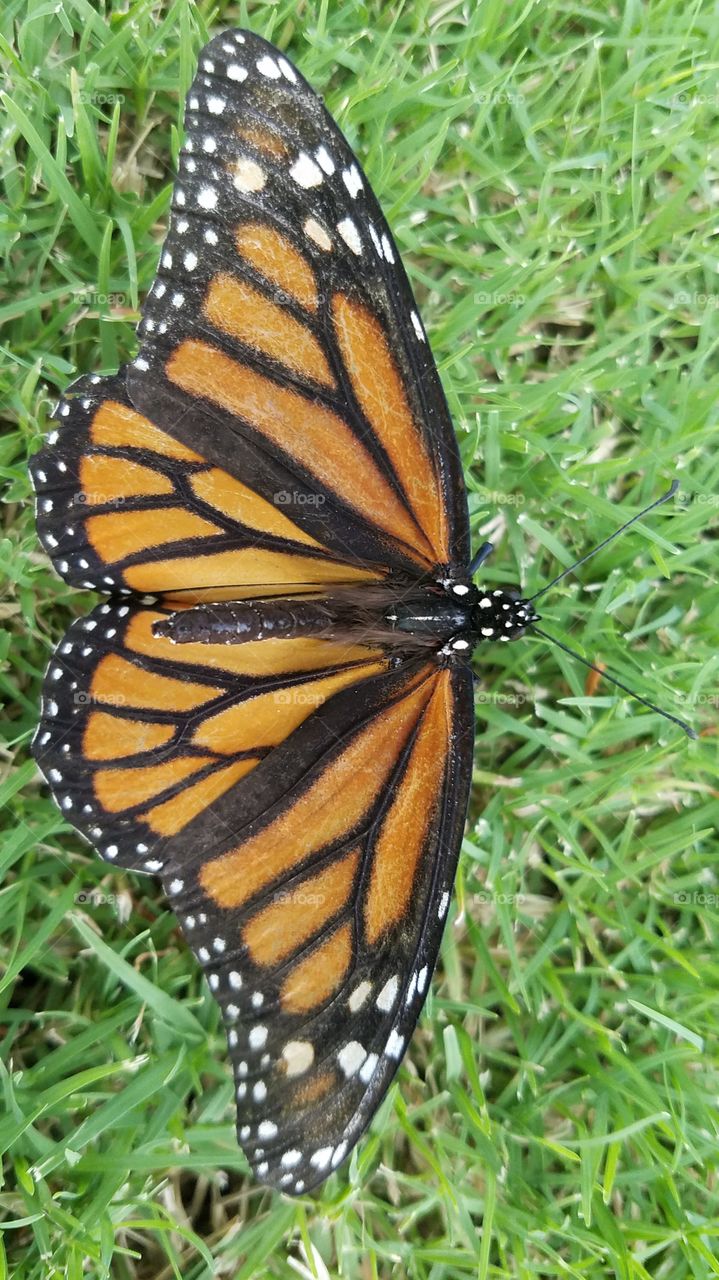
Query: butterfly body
454, 619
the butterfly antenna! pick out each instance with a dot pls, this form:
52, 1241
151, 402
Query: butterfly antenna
691, 733
617, 532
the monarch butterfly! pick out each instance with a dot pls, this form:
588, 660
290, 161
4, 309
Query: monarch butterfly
273, 711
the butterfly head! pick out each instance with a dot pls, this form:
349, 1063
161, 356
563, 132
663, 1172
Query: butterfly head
502, 614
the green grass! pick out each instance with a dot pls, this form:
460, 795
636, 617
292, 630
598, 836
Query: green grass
550, 173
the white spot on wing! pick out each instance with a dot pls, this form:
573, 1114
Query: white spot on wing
359, 995
298, 1056
305, 172
339, 1154
248, 176
287, 71
351, 1056
325, 161
367, 1069
268, 67
388, 994
316, 232
395, 1045
352, 180
375, 239
350, 235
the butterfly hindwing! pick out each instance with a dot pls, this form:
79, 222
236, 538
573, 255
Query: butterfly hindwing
281, 321
138, 736
318, 918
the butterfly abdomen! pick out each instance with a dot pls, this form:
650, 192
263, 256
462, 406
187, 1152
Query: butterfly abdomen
243, 621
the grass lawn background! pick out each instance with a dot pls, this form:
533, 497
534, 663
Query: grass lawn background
551, 172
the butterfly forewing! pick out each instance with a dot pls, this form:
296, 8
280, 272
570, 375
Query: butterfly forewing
282, 431
281, 314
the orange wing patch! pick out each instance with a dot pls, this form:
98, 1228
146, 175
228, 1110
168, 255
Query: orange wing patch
276, 258
315, 979
264, 140
116, 426
408, 819
329, 809
121, 683
110, 737
252, 567
246, 314
102, 480
380, 392
300, 911
121, 533
313, 1089
322, 442
234, 499
168, 818
118, 789
266, 719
